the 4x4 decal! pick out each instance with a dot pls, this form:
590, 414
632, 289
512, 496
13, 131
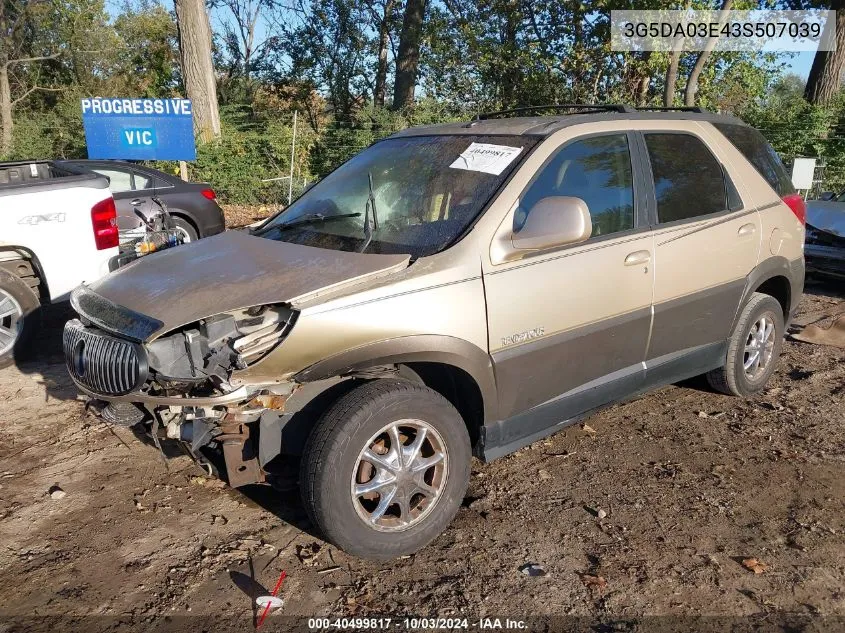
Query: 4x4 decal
34, 220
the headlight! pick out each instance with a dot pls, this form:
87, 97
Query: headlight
261, 329
216, 346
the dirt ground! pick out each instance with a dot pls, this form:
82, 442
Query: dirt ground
648, 511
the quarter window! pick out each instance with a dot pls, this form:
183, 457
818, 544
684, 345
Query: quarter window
760, 154
142, 181
688, 180
595, 169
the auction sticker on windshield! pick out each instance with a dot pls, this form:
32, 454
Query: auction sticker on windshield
486, 157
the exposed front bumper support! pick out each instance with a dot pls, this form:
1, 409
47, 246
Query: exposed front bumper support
238, 395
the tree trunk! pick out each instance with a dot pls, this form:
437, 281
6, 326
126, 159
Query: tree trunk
197, 67
510, 79
703, 56
644, 82
671, 78
5, 110
409, 55
826, 73
383, 41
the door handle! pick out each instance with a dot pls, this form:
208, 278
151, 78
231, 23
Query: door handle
638, 257
746, 229
136, 202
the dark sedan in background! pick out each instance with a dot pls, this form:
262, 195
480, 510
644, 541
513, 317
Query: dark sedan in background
824, 247
193, 205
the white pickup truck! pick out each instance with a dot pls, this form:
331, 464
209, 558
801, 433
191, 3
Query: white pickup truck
58, 229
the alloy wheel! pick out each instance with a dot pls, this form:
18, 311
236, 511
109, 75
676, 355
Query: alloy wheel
759, 347
399, 475
11, 321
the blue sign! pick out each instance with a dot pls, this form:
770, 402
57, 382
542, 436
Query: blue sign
139, 129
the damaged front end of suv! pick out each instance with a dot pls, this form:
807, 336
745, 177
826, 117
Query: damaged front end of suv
182, 381
184, 365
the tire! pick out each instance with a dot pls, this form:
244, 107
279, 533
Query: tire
733, 378
189, 233
333, 464
20, 312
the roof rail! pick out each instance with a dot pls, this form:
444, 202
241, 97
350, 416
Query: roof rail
563, 106
696, 109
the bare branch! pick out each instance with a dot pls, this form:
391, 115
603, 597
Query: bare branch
36, 88
38, 58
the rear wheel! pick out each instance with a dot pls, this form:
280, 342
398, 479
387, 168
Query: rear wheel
185, 229
385, 469
753, 349
19, 311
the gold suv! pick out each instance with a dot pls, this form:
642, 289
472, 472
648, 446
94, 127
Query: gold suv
453, 290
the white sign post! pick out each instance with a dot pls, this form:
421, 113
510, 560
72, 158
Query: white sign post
803, 173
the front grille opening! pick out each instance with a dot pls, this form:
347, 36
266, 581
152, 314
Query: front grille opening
102, 363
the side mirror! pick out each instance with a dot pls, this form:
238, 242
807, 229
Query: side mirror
827, 195
554, 221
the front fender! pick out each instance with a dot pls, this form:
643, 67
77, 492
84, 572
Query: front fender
422, 348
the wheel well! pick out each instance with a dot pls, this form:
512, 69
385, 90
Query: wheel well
778, 287
17, 266
459, 388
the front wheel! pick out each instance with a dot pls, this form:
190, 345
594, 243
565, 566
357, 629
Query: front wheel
385, 469
753, 349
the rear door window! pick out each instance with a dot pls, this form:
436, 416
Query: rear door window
759, 153
119, 181
688, 180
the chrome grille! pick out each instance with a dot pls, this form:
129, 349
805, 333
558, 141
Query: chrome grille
102, 363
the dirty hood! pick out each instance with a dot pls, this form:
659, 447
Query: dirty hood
234, 270
827, 216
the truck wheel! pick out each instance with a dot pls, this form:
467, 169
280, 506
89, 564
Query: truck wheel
385, 469
753, 349
19, 315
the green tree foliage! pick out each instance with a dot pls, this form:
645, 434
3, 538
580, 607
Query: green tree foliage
332, 60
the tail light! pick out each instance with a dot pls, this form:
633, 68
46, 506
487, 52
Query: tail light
104, 221
209, 193
797, 206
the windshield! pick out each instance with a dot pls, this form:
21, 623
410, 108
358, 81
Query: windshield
413, 195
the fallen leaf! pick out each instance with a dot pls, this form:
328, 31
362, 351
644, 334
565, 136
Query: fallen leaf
593, 582
588, 429
752, 564
308, 554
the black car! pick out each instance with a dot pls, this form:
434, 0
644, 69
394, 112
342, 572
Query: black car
193, 205
824, 247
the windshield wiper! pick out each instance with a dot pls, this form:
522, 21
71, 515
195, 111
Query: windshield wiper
371, 204
313, 218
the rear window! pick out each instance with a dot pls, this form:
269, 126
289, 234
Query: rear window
760, 154
688, 180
